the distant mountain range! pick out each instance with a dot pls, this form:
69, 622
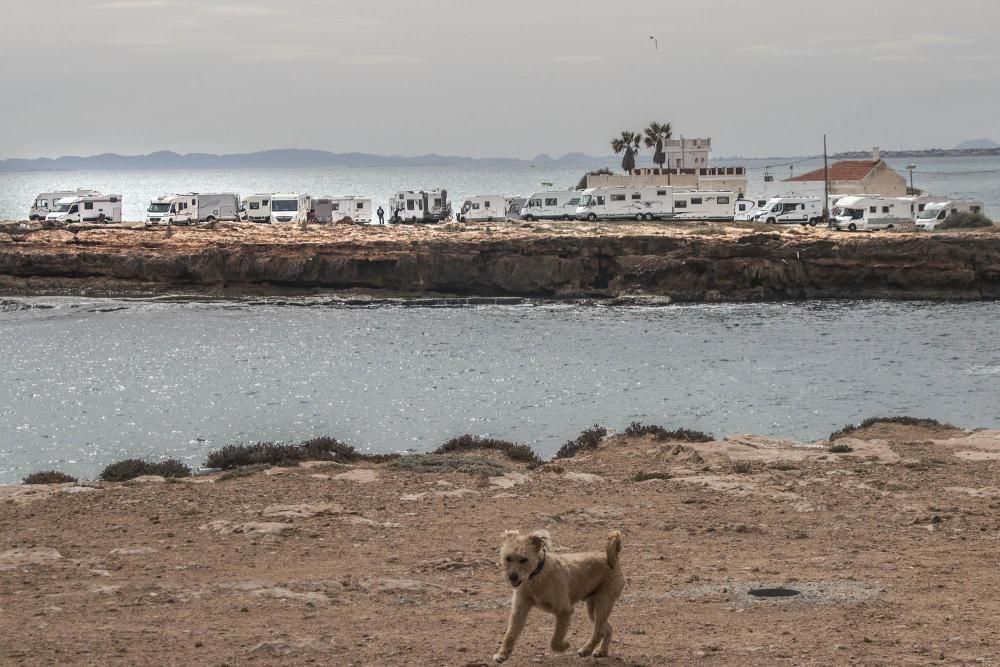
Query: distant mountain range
283, 158
977, 144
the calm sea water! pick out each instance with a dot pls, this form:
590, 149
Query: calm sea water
89, 381
946, 177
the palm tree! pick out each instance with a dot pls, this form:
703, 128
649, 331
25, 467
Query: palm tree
627, 143
656, 134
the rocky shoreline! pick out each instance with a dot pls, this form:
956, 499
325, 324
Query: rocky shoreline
675, 262
882, 540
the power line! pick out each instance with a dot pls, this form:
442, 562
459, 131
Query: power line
957, 173
786, 164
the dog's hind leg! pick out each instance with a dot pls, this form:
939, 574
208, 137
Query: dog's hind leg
598, 608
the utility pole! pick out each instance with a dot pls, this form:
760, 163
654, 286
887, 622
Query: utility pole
826, 184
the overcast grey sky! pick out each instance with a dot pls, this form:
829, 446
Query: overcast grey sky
493, 77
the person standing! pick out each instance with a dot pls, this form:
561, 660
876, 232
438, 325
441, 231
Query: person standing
381, 215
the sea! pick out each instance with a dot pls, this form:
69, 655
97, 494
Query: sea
91, 380
88, 381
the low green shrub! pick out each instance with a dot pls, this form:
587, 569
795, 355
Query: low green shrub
326, 448
638, 429
48, 477
589, 439
965, 221
267, 453
840, 449
122, 471
471, 443
903, 421
742, 467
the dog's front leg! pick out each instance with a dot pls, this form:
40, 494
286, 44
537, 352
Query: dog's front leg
563, 618
518, 616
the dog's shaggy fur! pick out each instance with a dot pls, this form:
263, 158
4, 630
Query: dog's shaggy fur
556, 582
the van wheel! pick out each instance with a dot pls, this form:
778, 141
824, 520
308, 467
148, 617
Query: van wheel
638, 217
890, 226
566, 218
210, 218
852, 227
529, 218
772, 221
812, 223
649, 217
592, 218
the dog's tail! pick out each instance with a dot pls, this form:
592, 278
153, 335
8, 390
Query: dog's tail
614, 548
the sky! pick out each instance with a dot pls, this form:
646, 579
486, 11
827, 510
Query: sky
493, 78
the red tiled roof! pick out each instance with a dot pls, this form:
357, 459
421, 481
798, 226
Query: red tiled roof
847, 170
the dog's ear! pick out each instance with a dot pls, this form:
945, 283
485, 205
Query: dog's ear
540, 539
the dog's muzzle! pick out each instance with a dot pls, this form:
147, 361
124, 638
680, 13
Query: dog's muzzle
515, 580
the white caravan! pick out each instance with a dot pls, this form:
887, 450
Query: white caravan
412, 206
290, 207
937, 212
792, 210
192, 207
46, 202
484, 208
642, 203
560, 205
256, 208
358, 209
88, 208
747, 209
703, 205
869, 213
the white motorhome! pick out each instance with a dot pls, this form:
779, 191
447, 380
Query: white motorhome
290, 207
193, 207
256, 208
792, 210
917, 203
869, 213
88, 208
937, 212
358, 209
558, 205
641, 203
412, 206
703, 205
46, 202
484, 208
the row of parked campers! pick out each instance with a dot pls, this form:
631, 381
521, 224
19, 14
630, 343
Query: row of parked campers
860, 212
181, 209
77, 206
608, 203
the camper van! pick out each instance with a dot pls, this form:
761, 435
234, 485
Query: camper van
256, 208
412, 206
641, 203
792, 210
358, 209
937, 212
560, 205
186, 209
703, 205
484, 208
869, 213
88, 208
46, 202
290, 207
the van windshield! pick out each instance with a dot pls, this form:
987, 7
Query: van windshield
927, 214
62, 208
285, 205
586, 200
157, 207
854, 213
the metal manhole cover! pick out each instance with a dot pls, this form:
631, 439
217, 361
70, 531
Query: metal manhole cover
773, 592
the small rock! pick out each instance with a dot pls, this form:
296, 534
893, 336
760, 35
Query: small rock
359, 475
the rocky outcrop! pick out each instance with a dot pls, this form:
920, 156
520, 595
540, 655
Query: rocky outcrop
684, 264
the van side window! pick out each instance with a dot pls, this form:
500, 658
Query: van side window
661, 193
695, 201
636, 195
974, 209
486, 204
725, 200
551, 201
254, 206
409, 205
361, 205
266, 202
600, 200
873, 209
88, 206
475, 207
617, 197
681, 203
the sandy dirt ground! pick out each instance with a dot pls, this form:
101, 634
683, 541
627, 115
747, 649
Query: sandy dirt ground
892, 549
